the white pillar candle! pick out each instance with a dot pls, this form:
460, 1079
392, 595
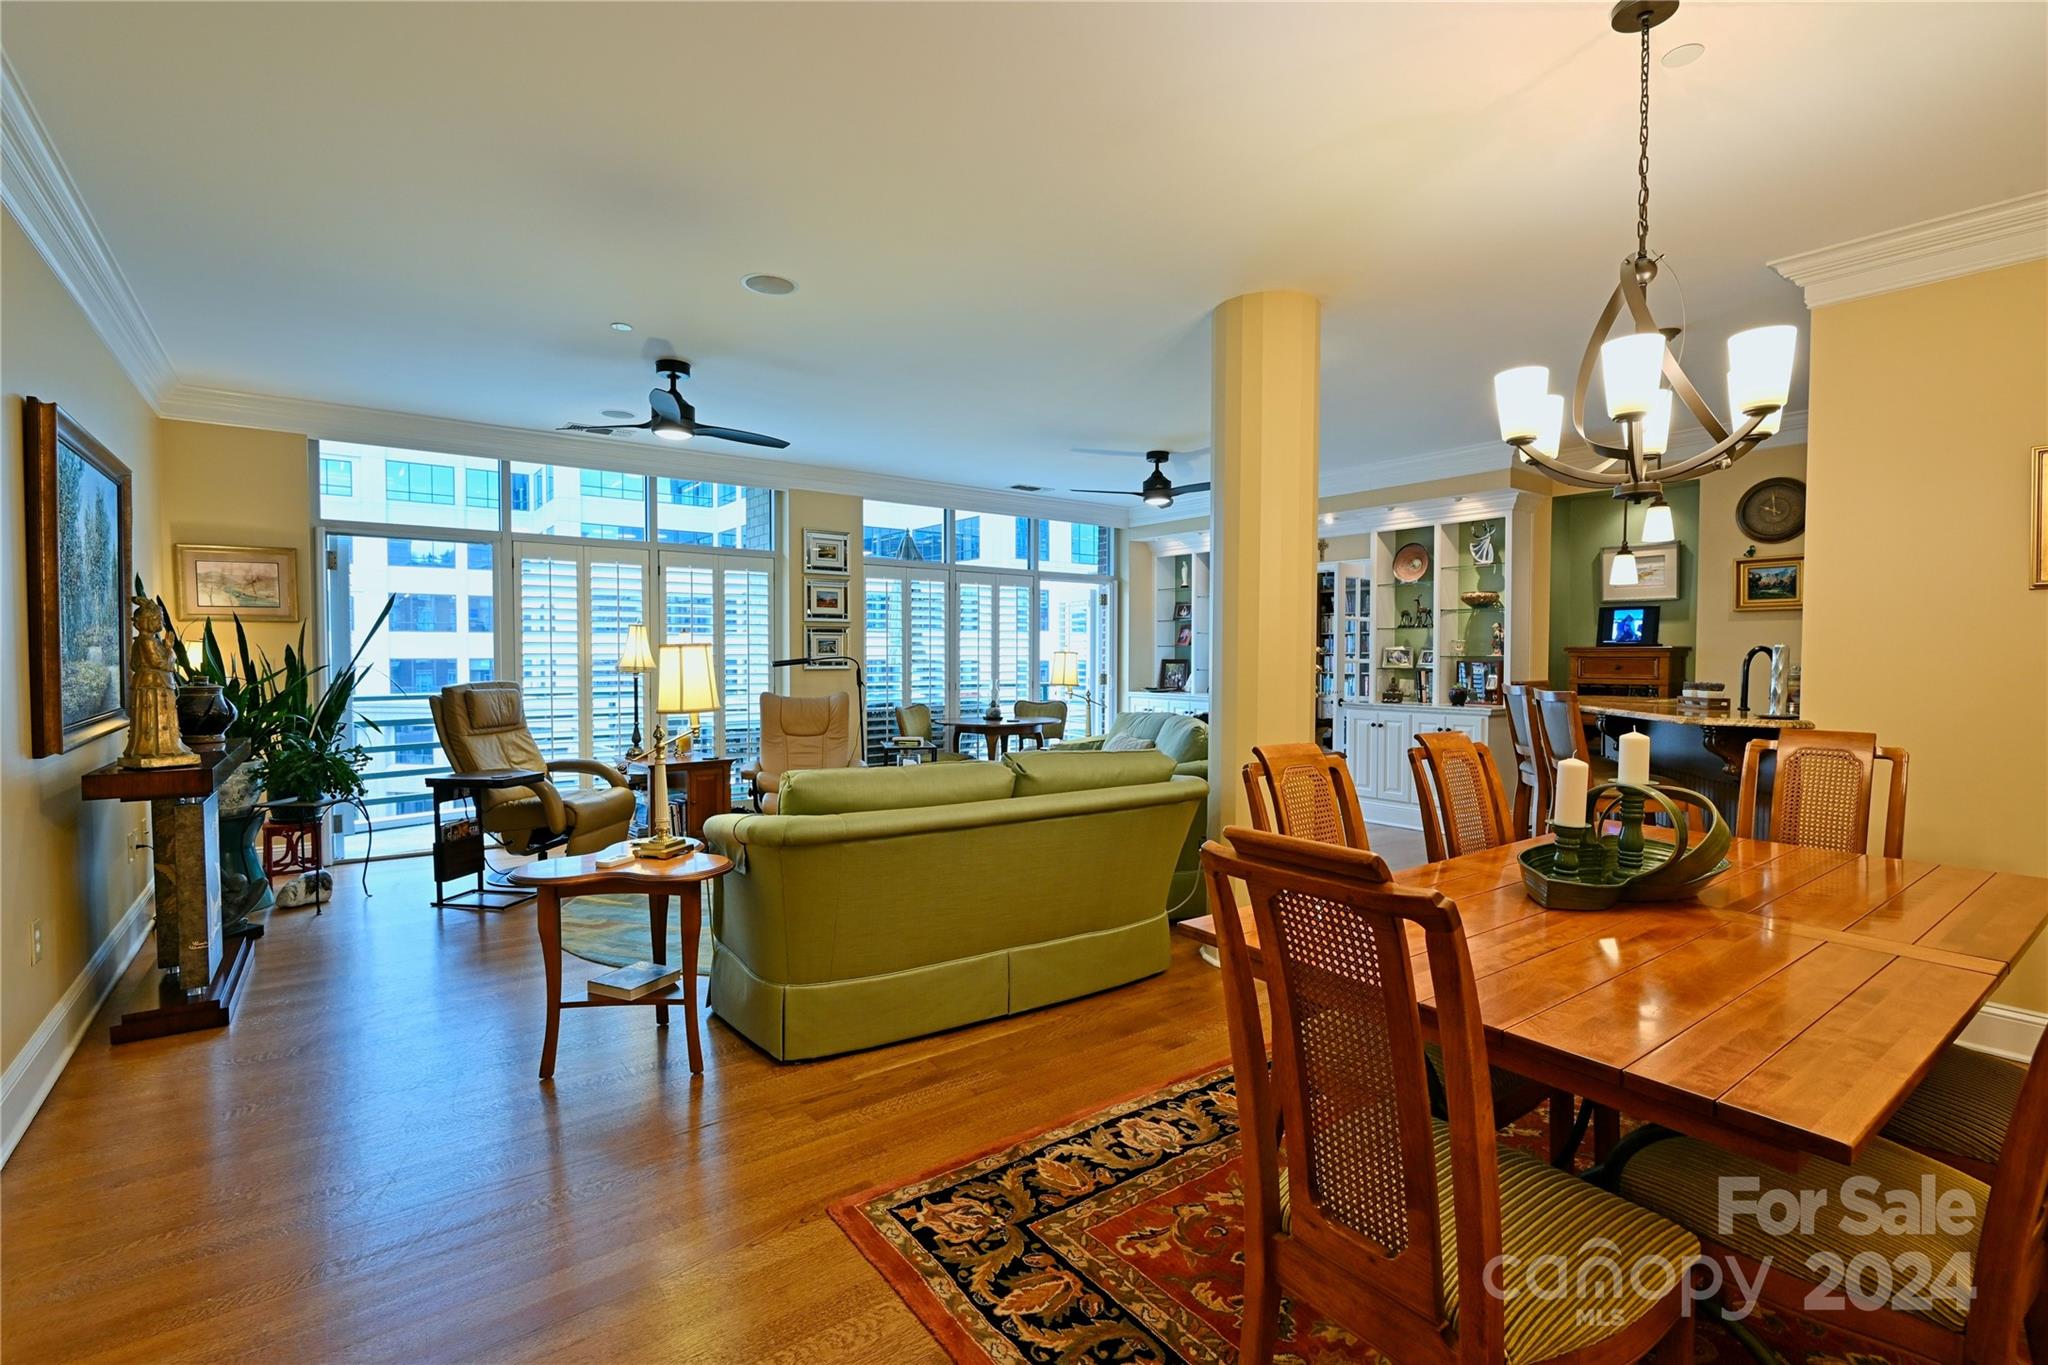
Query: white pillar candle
1570, 806
1634, 767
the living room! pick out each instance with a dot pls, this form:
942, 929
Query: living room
1181, 480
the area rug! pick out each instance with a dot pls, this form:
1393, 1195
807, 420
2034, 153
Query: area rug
1119, 1237
612, 930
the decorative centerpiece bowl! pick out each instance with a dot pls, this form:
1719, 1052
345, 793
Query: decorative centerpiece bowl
1586, 868
1479, 598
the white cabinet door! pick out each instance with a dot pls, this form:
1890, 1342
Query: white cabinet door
1354, 736
1394, 781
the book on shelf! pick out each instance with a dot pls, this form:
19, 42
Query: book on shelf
632, 982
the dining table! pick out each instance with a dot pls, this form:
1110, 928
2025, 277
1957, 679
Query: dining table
1785, 1009
997, 734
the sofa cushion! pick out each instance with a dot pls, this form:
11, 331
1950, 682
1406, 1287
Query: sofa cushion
841, 791
1047, 772
1126, 744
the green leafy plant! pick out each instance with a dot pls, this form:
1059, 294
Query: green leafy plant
301, 769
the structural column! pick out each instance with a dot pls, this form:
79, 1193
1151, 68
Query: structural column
1266, 351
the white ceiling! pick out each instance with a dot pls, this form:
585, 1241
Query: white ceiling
1008, 222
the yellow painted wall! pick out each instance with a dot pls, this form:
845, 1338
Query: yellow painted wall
1722, 635
804, 510
241, 486
68, 863
1919, 623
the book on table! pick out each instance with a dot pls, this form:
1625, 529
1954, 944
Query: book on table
630, 983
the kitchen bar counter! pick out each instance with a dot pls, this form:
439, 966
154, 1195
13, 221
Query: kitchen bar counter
1701, 750
1657, 710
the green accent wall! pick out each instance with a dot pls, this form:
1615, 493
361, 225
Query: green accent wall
1581, 527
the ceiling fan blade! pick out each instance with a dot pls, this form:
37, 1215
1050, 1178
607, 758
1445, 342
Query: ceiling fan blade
1182, 489
665, 404
607, 429
1113, 492
752, 438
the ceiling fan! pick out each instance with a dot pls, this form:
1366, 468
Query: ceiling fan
1157, 490
673, 419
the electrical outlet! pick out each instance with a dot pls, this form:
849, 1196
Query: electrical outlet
36, 945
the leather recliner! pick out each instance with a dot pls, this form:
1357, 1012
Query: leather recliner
483, 727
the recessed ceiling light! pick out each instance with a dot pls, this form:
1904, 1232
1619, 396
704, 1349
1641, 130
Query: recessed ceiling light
1685, 54
622, 327
769, 284
615, 412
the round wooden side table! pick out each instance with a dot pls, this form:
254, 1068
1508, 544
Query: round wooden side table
658, 879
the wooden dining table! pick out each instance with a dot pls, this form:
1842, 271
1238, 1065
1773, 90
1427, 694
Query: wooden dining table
1787, 1009
997, 734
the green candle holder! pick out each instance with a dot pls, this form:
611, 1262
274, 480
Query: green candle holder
1585, 867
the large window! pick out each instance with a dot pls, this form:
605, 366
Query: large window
480, 488
587, 504
412, 611
337, 478
991, 541
417, 481
690, 512
897, 530
375, 485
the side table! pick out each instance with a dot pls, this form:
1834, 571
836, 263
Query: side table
658, 880
463, 855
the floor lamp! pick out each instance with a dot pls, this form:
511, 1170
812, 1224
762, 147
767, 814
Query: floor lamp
636, 658
1066, 672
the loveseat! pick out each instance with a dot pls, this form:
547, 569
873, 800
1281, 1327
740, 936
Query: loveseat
1185, 740
880, 904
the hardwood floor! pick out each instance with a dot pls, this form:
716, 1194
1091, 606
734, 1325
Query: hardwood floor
364, 1167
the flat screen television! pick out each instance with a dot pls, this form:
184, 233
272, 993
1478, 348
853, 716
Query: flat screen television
1628, 625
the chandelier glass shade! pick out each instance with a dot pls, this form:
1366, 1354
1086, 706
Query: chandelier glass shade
1636, 361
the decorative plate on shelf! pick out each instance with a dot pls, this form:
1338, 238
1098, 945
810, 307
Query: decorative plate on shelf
1411, 562
1773, 511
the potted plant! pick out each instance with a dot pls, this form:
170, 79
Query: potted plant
305, 770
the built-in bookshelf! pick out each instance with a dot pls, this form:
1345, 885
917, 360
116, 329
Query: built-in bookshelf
1343, 640
1181, 618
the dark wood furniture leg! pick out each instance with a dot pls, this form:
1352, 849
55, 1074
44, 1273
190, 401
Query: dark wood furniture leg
693, 926
550, 916
657, 924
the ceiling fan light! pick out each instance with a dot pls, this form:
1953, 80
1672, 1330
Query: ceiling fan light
1658, 525
1630, 368
1657, 423
1760, 368
1736, 416
1518, 397
1622, 573
672, 433
1159, 499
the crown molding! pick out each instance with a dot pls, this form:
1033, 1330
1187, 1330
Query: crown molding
451, 436
1421, 467
1939, 249
41, 195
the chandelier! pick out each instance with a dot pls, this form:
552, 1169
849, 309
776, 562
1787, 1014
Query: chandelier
1633, 365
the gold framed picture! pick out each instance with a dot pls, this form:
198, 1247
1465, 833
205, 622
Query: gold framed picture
1770, 583
254, 582
2040, 540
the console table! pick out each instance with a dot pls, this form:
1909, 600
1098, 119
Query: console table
1627, 670
204, 970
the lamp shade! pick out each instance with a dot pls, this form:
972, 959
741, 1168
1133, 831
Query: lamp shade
1658, 525
1622, 574
1518, 396
1657, 424
1630, 368
687, 680
1550, 430
1771, 420
634, 655
1760, 366
1066, 669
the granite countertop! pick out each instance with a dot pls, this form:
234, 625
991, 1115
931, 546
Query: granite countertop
1657, 709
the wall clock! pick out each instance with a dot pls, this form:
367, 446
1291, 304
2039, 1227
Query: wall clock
1773, 511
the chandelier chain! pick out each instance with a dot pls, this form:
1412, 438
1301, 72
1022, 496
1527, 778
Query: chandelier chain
1643, 156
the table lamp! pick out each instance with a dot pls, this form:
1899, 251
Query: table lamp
636, 658
685, 682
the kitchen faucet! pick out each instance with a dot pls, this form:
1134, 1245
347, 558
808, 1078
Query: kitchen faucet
1777, 696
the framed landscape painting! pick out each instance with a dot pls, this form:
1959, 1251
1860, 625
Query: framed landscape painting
78, 503
1769, 584
254, 582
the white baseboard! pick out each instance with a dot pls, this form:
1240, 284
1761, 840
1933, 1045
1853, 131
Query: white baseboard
36, 1068
2005, 1031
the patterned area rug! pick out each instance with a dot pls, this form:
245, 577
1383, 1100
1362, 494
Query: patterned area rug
1118, 1237
612, 930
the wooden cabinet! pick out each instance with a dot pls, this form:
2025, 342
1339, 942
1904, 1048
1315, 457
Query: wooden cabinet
1627, 670
1376, 739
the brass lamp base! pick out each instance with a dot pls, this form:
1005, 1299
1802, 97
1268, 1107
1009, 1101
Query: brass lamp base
662, 849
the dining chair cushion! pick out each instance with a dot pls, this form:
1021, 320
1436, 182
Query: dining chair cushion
842, 791
1683, 1179
1045, 772
1126, 744
1964, 1106
1555, 1228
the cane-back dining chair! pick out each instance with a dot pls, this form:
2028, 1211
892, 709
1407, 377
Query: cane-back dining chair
1532, 785
1983, 1302
1420, 1233
1820, 795
1458, 792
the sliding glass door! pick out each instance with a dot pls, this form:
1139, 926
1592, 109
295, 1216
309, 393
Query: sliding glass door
906, 649
993, 616
575, 603
727, 602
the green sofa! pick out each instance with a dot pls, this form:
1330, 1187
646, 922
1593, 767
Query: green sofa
886, 903
1185, 740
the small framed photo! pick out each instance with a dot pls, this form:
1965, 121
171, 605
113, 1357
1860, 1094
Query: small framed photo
825, 600
1769, 583
1183, 611
1185, 635
828, 552
1174, 675
254, 582
828, 647
1428, 659
1397, 656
